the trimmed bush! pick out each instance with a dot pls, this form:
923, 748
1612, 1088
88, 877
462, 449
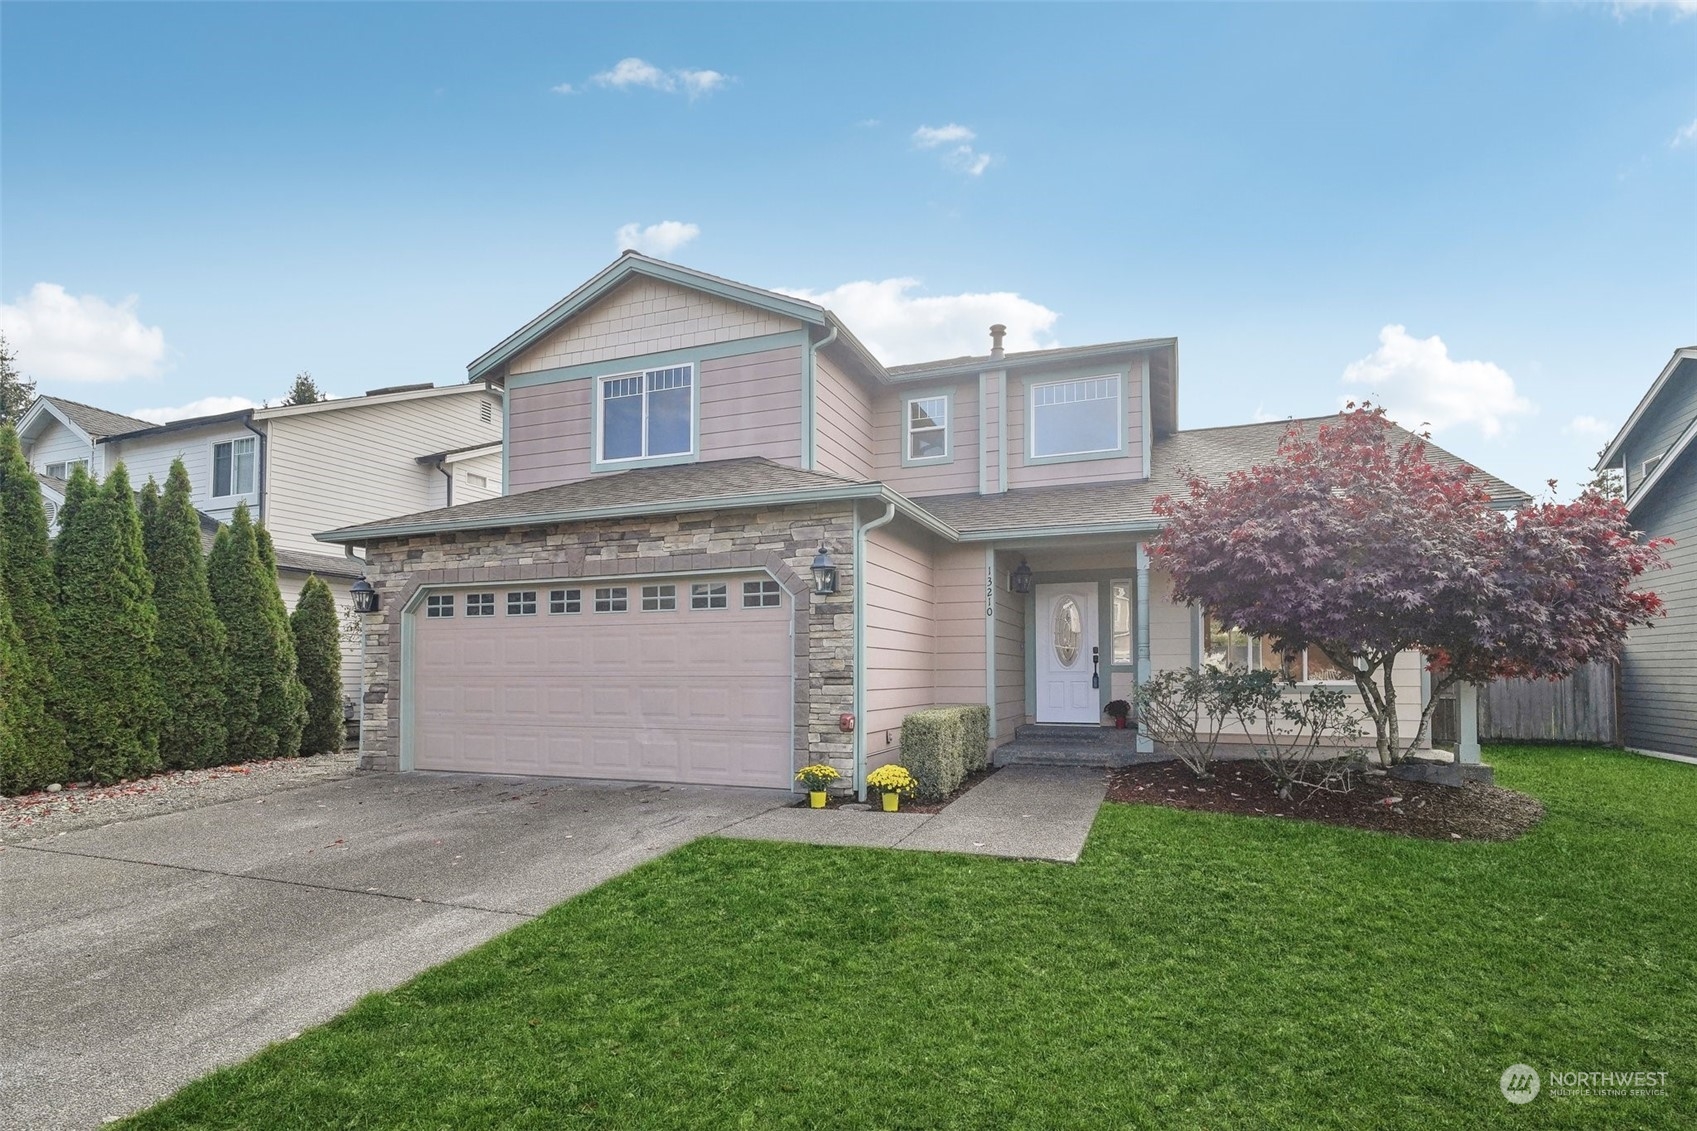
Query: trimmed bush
941, 745
266, 702
193, 665
23, 712
282, 699
108, 684
32, 592
318, 657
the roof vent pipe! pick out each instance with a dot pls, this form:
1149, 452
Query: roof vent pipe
996, 333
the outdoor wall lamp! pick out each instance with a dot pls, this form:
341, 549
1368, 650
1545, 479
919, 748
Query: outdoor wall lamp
1020, 579
365, 597
824, 573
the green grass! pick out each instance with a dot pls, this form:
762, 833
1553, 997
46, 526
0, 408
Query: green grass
1193, 970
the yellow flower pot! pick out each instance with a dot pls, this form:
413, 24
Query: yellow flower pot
816, 798
892, 799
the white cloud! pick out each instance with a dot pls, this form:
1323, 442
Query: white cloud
900, 327
564, 88
930, 137
1417, 382
656, 239
1589, 426
959, 154
633, 72
63, 337
1685, 135
206, 406
1679, 8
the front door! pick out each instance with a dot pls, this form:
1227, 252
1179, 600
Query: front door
1066, 654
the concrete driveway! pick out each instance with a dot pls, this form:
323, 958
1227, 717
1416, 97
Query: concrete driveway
137, 957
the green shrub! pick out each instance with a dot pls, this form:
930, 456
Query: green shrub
941, 745
193, 663
38, 752
318, 660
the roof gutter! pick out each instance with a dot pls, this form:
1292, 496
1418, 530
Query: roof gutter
259, 470
860, 532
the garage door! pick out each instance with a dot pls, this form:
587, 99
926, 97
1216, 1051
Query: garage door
675, 681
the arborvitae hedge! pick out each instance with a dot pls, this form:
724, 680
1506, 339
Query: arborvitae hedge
318, 654
192, 661
79, 489
23, 712
108, 686
147, 505
27, 582
266, 704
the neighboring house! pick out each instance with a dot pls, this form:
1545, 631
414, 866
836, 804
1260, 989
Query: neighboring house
299, 468
1656, 454
680, 447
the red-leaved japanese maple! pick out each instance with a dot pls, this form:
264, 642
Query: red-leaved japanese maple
1352, 541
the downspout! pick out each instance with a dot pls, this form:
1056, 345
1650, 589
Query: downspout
860, 533
259, 464
448, 474
809, 426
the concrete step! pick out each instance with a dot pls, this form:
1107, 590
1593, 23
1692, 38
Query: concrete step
1059, 735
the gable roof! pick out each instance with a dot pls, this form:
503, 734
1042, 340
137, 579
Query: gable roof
1613, 451
94, 423
750, 481
1092, 507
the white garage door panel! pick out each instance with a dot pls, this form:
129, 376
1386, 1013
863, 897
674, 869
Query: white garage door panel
686, 695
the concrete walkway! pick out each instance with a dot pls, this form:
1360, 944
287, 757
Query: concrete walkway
1023, 812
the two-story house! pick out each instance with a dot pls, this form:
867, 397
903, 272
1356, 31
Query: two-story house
682, 451
299, 468
1656, 455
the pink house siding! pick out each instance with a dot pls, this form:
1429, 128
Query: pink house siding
548, 435
1127, 466
960, 474
1010, 653
842, 422
959, 588
900, 637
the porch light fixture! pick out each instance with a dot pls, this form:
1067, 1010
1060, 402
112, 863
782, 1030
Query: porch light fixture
365, 597
824, 573
1019, 581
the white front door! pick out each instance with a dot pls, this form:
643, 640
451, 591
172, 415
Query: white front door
1066, 651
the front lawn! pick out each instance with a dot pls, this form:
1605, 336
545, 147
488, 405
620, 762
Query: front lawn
1194, 970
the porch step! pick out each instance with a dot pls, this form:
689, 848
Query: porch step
1062, 735
1039, 744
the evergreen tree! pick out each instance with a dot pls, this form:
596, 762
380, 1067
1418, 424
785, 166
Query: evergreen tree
304, 390
147, 505
17, 392
318, 655
192, 661
23, 713
109, 690
27, 581
266, 702
79, 489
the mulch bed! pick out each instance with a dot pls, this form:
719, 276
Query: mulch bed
838, 800
1381, 804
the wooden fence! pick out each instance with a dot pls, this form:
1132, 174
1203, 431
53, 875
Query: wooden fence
1580, 708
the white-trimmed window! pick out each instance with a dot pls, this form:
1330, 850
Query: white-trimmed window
612, 599
646, 415
659, 598
1120, 595
761, 595
927, 424
522, 604
439, 605
233, 467
565, 601
63, 470
480, 604
1232, 646
708, 595
1076, 418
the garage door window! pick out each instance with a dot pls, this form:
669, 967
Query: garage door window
761, 595
659, 598
708, 595
480, 604
565, 601
614, 599
439, 605
522, 604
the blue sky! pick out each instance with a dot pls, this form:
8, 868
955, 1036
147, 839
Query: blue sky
1486, 215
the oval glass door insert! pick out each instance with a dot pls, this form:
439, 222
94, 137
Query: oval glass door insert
1069, 625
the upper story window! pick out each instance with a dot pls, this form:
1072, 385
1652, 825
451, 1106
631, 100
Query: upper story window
927, 429
1076, 418
63, 470
233, 467
647, 415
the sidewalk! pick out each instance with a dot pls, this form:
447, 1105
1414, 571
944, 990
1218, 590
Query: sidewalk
1021, 812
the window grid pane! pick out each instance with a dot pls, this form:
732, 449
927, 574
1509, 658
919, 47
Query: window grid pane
480, 604
522, 604
708, 595
565, 601
648, 414
439, 605
612, 599
659, 598
761, 594
1076, 417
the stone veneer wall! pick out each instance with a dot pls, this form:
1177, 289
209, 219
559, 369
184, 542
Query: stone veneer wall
780, 540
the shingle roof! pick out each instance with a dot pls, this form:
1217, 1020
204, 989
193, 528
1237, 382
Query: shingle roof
690, 486
1209, 452
96, 421
984, 361
324, 565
